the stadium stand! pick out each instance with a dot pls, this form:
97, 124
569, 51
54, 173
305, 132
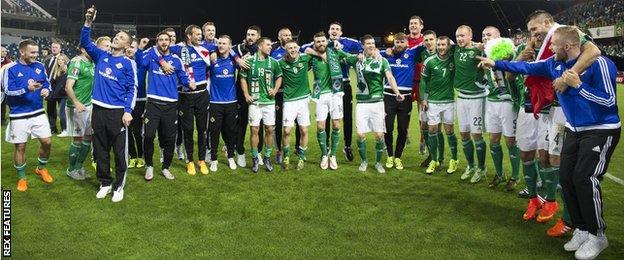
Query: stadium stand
593, 13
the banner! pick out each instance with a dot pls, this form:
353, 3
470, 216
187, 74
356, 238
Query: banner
603, 32
130, 28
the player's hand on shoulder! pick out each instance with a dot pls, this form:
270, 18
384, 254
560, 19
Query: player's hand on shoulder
485, 63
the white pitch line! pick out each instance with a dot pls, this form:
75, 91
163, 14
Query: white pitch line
615, 179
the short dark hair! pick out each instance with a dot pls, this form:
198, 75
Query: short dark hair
539, 13
207, 24
366, 37
189, 29
25, 43
427, 32
162, 33
263, 39
417, 18
169, 29
335, 23
255, 28
319, 34
444, 38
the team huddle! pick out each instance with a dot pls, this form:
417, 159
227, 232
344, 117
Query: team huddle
122, 95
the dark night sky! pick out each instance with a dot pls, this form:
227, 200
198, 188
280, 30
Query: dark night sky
358, 17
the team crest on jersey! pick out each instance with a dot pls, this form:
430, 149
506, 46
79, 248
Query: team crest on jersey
406, 55
119, 65
225, 71
451, 65
212, 119
108, 71
193, 55
471, 54
38, 71
398, 61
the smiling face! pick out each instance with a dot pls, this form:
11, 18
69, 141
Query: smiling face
252, 36
284, 36
29, 53
172, 36
121, 41
163, 41
132, 50
489, 33
369, 46
264, 47
430, 42
539, 28
335, 31
400, 45
195, 36
320, 44
104, 45
292, 49
209, 32
463, 36
415, 26
442, 47
224, 44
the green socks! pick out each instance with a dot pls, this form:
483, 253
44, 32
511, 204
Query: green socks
74, 153
425, 135
530, 177
469, 151
254, 152
433, 146
380, 146
267, 151
286, 150
452, 141
551, 176
497, 156
362, 149
302, 151
480, 147
335, 137
42, 162
21, 170
321, 136
514, 158
440, 147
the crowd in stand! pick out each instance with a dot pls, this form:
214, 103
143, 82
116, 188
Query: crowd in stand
593, 14
21, 7
616, 49
69, 47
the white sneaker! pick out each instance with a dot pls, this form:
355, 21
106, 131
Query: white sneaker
213, 166
104, 190
63, 134
85, 174
324, 162
592, 247
260, 161
232, 163
363, 166
240, 160
333, 164
167, 174
118, 195
149, 173
379, 167
75, 174
577, 240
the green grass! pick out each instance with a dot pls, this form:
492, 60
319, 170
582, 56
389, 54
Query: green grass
310, 214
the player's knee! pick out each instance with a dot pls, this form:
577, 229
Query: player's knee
20, 148
46, 142
527, 156
361, 136
510, 141
477, 137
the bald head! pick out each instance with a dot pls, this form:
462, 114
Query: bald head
490, 33
463, 35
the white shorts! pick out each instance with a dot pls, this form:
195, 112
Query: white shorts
264, 113
299, 110
500, 117
556, 131
531, 133
79, 123
331, 104
441, 113
370, 117
470, 115
18, 131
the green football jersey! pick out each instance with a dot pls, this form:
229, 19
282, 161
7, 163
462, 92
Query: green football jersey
295, 81
371, 73
82, 71
468, 77
261, 77
424, 55
436, 81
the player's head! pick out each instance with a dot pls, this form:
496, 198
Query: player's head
430, 40
131, 50
320, 42
44, 52
539, 23
163, 41
368, 42
193, 34
292, 49
121, 41
29, 51
224, 43
463, 35
284, 35
55, 48
210, 31
84, 53
252, 35
264, 46
566, 43
335, 30
172, 34
416, 25
442, 45
103, 43
490, 33
400, 42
